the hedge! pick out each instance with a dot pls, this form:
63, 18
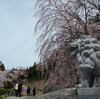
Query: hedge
4, 91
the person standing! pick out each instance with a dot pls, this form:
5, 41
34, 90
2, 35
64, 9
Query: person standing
34, 91
28, 90
19, 88
16, 89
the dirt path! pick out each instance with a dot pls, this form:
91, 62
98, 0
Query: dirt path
59, 94
24, 97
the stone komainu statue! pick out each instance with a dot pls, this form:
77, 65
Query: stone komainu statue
87, 53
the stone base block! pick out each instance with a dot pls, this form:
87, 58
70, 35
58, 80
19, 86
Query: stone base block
89, 91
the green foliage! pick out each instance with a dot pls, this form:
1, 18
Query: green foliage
2, 67
33, 73
22, 76
8, 84
4, 91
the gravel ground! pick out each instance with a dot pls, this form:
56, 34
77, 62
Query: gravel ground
24, 97
59, 94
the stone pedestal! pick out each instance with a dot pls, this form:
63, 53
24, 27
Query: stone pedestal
89, 91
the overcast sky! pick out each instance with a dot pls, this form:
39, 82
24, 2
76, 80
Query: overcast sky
17, 42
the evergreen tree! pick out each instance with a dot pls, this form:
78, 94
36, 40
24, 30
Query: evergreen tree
33, 73
2, 67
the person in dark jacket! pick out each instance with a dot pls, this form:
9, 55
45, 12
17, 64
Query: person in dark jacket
28, 90
34, 91
19, 88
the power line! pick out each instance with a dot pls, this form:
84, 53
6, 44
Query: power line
19, 45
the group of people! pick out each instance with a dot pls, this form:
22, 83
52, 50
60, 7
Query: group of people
29, 90
18, 89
